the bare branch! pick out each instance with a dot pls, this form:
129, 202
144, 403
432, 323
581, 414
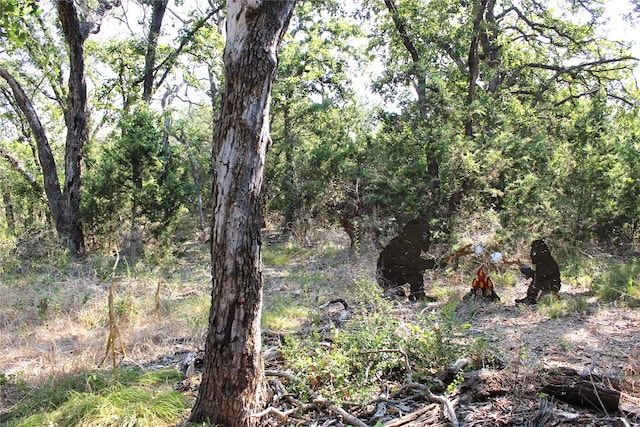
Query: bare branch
318, 400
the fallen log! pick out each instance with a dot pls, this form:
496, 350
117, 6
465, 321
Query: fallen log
589, 391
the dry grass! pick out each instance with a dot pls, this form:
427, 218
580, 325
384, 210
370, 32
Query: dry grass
54, 319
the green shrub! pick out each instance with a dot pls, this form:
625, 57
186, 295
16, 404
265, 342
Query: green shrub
619, 282
370, 348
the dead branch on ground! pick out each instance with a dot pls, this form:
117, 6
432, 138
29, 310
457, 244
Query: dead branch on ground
417, 386
317, 400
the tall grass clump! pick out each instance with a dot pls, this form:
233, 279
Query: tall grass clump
139, 398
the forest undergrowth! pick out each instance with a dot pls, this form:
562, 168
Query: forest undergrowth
334, 346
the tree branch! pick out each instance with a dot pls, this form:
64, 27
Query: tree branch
18, 167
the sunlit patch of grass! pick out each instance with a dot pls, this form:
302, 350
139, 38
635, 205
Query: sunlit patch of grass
331, 251
193, 310
441, 291
554, 308
507, 279
285, 314
280, 255
139, 398
274, 258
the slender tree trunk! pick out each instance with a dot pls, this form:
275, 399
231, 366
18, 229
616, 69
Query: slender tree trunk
65, 220
8, 211
157, 15
419, 80
45, 155
291, 189
233, 385
419, 71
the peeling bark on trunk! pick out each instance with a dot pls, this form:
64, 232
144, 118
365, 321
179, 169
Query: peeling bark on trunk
233, 385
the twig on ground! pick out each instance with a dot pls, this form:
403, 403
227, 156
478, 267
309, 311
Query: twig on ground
318, 400
589, 369
271, 410
423, 388
381, 407
543, 416
434, 398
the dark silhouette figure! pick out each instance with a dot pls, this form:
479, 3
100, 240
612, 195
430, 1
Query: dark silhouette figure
545, 278
400, 261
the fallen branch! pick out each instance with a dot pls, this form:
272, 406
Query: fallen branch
381, 408
350, 419
412, 418
434, 398
317, 399
423, 388
271, 410
590, 391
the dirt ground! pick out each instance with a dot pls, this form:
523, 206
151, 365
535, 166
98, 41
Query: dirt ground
531, 341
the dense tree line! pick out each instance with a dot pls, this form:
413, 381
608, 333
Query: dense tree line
519, 109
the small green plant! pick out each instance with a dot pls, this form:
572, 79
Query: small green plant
455, 384
126, 308
43, 305
372, 346
581, 305
554, 308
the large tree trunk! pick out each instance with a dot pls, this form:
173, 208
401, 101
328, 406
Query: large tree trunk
75, 116
233, 385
